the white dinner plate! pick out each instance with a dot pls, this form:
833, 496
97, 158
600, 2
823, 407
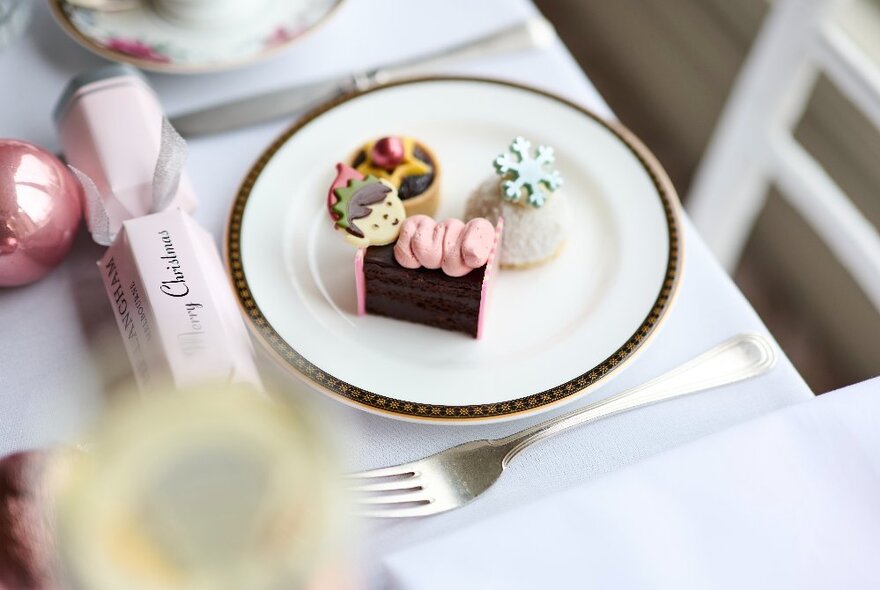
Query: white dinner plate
552, 333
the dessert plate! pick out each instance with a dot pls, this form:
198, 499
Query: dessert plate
141, 35
553, 332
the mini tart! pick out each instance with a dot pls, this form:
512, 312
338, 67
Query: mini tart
420, 193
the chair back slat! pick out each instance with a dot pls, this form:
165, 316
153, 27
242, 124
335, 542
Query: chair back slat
853, 240
753, 145
855, 74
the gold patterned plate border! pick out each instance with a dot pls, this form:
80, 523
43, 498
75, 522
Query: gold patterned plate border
315, 376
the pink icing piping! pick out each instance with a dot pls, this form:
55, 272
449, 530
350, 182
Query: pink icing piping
359, 281
453, 246
489, 276
344, 174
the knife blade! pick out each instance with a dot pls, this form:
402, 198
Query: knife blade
293, 100
259, 108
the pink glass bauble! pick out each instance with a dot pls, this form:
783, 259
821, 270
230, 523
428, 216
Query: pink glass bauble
387, 153
40, 209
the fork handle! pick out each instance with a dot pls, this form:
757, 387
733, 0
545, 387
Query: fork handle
736, 359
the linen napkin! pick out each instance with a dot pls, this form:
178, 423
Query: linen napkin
788, 500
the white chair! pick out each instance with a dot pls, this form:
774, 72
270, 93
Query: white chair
753, 146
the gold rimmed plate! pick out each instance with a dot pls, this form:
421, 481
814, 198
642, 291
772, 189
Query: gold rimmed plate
553, 333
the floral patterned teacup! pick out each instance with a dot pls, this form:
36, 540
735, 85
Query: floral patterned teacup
208, 13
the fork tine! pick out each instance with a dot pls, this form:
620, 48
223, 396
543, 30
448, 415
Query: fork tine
406, 469
407, 483
410, 511
417, 495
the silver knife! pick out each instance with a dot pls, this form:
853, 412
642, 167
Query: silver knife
533, 33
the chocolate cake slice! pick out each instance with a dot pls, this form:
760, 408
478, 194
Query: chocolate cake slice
421, 295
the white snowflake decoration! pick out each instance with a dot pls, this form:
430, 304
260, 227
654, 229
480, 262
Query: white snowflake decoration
523, 172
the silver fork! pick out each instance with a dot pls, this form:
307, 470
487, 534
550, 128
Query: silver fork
454, 477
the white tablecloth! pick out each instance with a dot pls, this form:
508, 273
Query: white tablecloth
785, 501
55, 369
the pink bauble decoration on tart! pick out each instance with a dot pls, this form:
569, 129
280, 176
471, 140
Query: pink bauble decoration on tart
388, 152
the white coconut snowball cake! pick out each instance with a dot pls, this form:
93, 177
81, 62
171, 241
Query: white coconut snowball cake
526, 194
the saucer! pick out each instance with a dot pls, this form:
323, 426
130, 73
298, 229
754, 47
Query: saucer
144, 38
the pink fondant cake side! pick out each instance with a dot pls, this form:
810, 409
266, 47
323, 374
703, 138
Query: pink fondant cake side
489, 276
359, 281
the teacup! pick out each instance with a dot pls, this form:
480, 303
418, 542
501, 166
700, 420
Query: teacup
208, 13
